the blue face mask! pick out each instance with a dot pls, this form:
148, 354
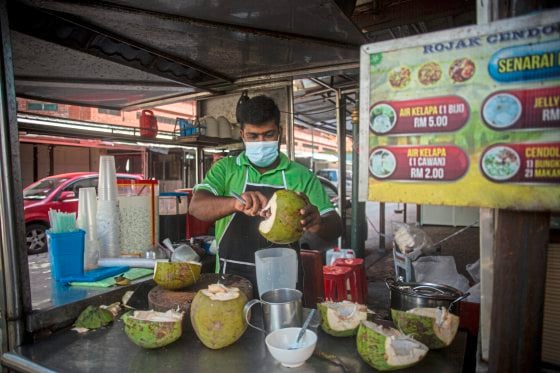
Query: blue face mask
261, 153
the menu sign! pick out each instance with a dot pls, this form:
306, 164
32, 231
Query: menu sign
443, 163
469, 117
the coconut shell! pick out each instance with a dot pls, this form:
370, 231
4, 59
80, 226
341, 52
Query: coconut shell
176, 275
425, 329
329, 329
218, 323
94, 317
151, 334
375, 346
287, 218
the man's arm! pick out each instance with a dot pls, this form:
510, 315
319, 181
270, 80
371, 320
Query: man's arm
206, 206
328, 226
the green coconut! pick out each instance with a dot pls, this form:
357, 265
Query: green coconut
283, 225
151, 329
435, 327
176, 275
341, 319
386, 348
217, 315
94, 317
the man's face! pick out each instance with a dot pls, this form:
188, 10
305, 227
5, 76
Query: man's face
263, 132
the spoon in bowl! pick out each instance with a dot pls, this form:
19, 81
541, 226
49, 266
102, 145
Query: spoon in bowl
297, 343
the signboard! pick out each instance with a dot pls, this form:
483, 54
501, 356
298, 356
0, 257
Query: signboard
466, 117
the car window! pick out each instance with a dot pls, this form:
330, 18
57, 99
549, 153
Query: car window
42, 188
332, 176
81, 183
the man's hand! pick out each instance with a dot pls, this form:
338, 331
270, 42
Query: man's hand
310, 217
255, 202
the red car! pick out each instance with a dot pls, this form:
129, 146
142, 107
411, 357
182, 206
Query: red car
58, 192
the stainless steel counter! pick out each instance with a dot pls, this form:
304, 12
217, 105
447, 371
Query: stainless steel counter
110, 350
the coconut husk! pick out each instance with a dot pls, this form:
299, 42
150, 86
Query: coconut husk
435, 327
385, 348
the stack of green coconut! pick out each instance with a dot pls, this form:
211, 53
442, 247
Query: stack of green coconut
216, 316
386, 348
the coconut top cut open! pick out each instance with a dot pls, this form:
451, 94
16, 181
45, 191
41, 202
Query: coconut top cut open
221, 292
345, 315
269, 212
283, 224
154, 316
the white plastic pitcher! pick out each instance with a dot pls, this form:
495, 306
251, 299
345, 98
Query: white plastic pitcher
277, 268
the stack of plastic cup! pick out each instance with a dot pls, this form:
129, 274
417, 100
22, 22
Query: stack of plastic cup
108, 218
107, 186
87, 221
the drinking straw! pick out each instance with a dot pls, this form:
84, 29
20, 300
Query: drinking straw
62, 222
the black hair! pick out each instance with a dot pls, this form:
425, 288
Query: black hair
258, 110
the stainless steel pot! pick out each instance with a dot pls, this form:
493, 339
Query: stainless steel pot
408, 295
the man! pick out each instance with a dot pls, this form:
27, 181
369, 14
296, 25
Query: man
256, 174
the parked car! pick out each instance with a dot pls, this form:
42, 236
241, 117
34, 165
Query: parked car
331, 174
58, 192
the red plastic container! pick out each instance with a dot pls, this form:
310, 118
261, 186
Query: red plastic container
195, 227
148, 124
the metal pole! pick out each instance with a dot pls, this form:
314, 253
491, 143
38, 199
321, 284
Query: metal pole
341, 138
19, 363
16, 297
184, 168
290, 129
199, 159
359, 225
35, 162
312, 150
51, 160
381, 227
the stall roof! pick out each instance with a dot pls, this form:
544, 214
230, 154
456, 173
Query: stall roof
131, 54
121, 53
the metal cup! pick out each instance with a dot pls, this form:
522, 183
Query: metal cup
281, 309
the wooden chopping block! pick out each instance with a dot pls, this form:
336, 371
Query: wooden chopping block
161, 300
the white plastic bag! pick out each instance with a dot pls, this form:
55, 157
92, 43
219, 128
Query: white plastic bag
412, 241
439, 270
474, 270
475, 294
184, 253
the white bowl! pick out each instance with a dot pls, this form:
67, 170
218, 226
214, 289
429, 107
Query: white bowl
279, 340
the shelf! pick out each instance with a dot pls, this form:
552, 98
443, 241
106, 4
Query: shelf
199, 140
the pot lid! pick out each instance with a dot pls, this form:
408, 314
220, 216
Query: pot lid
425, 289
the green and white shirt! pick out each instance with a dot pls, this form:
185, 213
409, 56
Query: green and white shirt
234, 173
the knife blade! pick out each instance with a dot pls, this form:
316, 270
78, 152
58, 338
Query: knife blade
264, 213
237, 197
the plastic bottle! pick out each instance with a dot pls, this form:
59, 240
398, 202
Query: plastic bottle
335, 253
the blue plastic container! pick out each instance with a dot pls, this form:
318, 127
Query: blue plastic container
66, 254
186, 127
